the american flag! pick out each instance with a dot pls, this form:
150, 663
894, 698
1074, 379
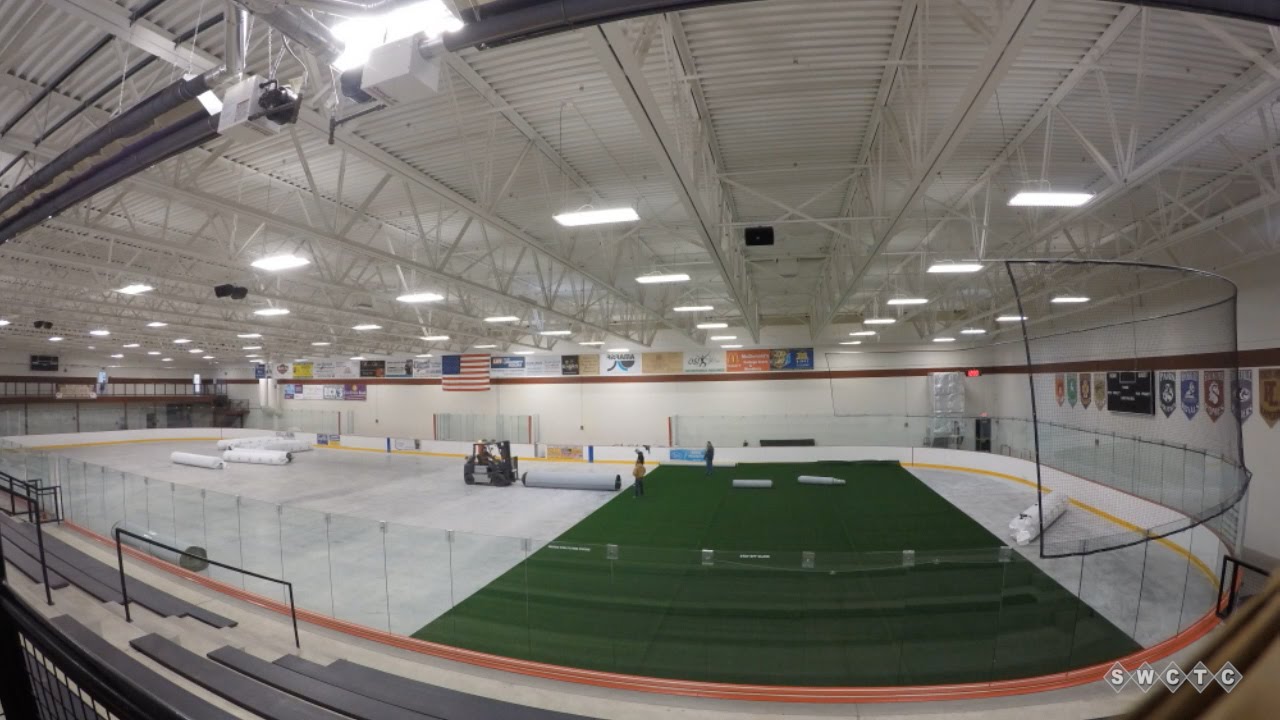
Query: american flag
465, 373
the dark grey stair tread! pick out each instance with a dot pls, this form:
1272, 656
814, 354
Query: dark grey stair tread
227, 683
31, 567
416, 695
69, 572
316, 691
158, 685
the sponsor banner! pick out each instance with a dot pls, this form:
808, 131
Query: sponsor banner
1215, 393
76, 392
564, 452
426, 367
335, 439
324, 369
399, 368
373, 368
349, 369
747, 360
282, 370
332, 392
1168, 392
322, 438
1190, 393
569, 364
405, 444
1072, 389
791, 359
588, 364
308, 392
688, 455
542, 366
1242, 398
1060, 388
354, 391
621, 363
291, 391
1269, 395
1100, 391
259, 371
303, 370
707, 361
663, 363
1086, 390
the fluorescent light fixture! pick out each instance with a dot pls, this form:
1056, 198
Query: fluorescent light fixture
3, 323
851, 342
181, 341
421, 297
863, 333
556, 332
157, 324
693, 308
249, 336
712, 326
360, 35
255, 355
100, 333
524, 352
1050, 199
730, 347
196, 351
93, 347
118, 355
973, 331
1011, 318
879, 321
618, 350
166, 359
591, 343
301, 360
321, 344
502, 318
954, 267
1069, 299
597, 217
944, 339
207, 357
276, 263
425, 355
906, 301
357, 357
131, 345
366, 326
136, 289
251, 347
485, 347
271, 312
55, 339
723, 337
153, 352
657, 279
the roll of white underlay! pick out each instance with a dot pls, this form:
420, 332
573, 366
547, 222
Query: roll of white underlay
204, 461
285, 445
753, 483
818, 480
257, 457
572, 480
230, 443
1026, 527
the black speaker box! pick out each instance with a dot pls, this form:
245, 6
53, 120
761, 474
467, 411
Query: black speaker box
759, 236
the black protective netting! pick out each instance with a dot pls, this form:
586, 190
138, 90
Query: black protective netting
1131, 392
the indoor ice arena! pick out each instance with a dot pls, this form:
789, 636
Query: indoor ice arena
639, 359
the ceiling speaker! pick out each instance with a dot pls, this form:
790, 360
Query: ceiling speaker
759, 236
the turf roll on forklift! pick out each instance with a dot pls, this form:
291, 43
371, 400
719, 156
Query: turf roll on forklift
491, 462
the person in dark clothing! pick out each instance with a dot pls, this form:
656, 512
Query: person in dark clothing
710, 455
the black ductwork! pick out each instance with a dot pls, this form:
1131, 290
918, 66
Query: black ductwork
192, 131
132, 122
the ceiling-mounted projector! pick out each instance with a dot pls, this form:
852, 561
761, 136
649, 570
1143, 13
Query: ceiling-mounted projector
255, 108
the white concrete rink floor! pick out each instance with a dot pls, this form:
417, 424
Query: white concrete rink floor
319, 522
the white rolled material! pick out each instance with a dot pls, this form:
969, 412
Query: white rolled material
245, 442
203, 461
1026, 526
265, 442
257, 457
286, 445
194, 560
819, 480
572, 480
753, 483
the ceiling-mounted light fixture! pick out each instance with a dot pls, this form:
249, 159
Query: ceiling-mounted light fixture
723, 337
421, 297
502, 319
157, 323
362, 34
1011, 318
730, 347
591, 343
249, 336
276, 263
556, 332
657, 279
131, 345
366, 326
906, 301
618, 350
973, 331
181, 341
954, 267
693, 308
863, 333
596, 217
944, 339
851, 342
712, 326
879, 321
524, 352
136, 289
1050, 199
321, 343
1069, 299
435, 338
485, 347
100, 333
271, 312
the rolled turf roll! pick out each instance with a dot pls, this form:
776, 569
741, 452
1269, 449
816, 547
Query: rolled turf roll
818, 480
753, 483
572, 480
286, 445
203, 461
231, 443
194, 564
257, 457
1026, 527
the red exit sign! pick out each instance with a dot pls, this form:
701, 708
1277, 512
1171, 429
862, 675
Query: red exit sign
973, 373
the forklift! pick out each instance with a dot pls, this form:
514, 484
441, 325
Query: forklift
491, 462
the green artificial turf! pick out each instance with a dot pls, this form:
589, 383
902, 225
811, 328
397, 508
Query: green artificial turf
757, 612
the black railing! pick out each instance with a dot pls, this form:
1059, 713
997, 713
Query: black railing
27, 491
124, 589
1238, 581
44, 563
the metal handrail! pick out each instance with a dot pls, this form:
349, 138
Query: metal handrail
124, 590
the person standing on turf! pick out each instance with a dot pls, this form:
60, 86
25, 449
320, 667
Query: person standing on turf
711, 456
638, 473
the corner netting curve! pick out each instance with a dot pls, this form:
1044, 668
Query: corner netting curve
1133, 372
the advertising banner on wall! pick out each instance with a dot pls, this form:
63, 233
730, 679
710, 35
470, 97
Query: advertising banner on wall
568, 364
588, 364
542, 366
324, 369
259, 371
405, 444
506, 366
705, 361
332, 392
747, 360
791, 359
426, 367
564, 452
1269, 395
373, 368
399, 368
663, 363
354, 391
687, 455
621, 364
303, 370
281, 371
